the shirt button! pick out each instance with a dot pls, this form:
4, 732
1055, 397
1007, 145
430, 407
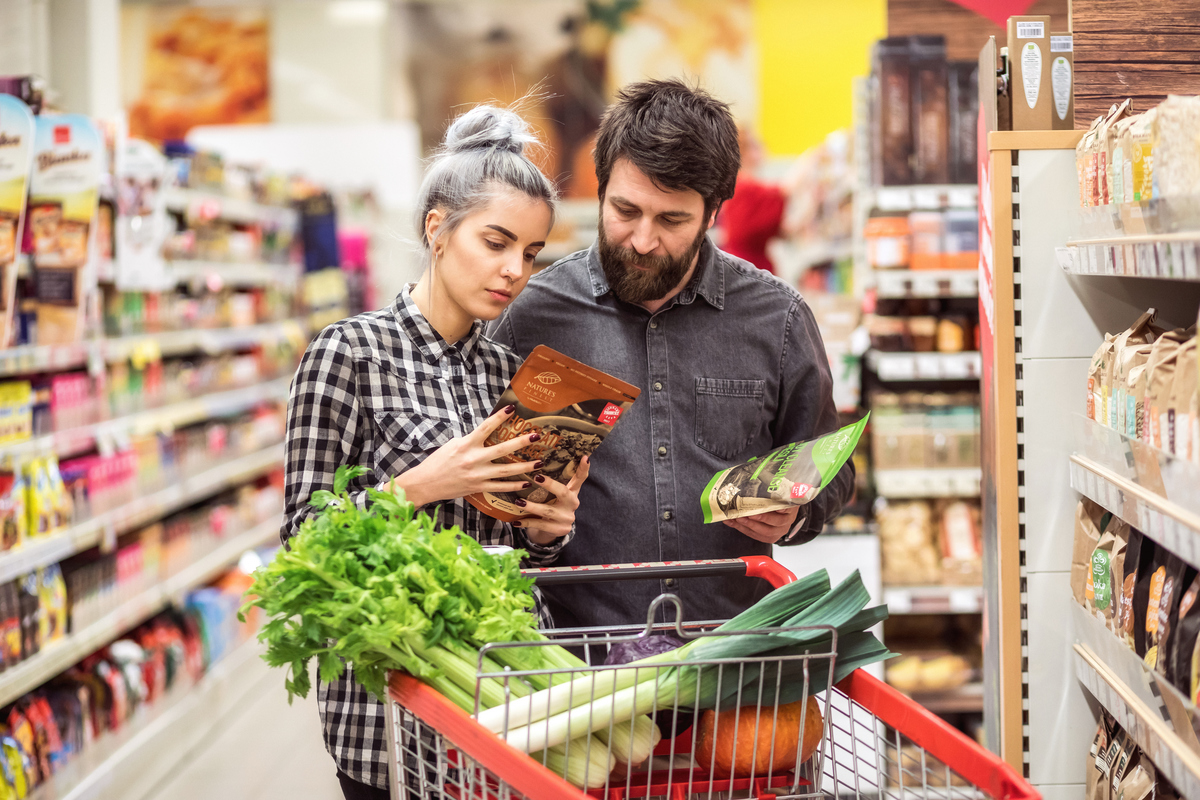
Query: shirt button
666, 515
653, 324
662, 450
670, 582
658, 386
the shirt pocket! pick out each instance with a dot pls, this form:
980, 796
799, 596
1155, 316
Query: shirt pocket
728, 413
409, 433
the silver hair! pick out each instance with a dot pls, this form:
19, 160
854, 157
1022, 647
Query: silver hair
484, 151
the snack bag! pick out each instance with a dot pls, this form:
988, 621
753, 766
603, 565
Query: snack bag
792, 475
1097, 400
574, 407
1087, 536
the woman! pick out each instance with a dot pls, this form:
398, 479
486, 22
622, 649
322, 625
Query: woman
406, 391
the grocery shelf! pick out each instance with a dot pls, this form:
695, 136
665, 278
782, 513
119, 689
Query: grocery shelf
925, 366
966, 699
917, 198
213, 205
1148, 488
916, 483
105, 527
933, 599
1169, 256
60, 656
926, 283
54, 358
105, 434
128, 763
231, 273
1172, 756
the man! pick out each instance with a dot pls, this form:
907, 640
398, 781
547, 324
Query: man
728, 358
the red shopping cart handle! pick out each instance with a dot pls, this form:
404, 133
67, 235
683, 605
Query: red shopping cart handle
750, 566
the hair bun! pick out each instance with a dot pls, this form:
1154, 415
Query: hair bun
489, 127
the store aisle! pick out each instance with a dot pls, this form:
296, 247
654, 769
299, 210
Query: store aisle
269, 751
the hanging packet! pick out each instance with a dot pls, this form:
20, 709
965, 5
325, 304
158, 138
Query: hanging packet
789, 476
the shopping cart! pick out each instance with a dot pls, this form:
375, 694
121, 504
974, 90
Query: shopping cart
877, 743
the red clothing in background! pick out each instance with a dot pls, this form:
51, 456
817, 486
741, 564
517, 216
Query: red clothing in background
750, 218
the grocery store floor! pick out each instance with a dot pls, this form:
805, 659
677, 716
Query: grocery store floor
267, 751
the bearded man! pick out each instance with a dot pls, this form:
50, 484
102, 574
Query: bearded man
729, 360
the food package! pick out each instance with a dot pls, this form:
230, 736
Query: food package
908, 545
1126, 754
789, 476
1085, 164
1105, 145
1107, 570
929, 672
14, 520
1087, 536
1098, 765
1176, 147
1160, 374
573, 406
1098, 372
1138, 782
1126, 355
1162, 593
1179, 415
1138, 554
1187, 630
961, 544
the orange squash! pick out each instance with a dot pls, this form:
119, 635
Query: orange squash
754, 741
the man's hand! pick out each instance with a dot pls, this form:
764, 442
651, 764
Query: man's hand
768, 527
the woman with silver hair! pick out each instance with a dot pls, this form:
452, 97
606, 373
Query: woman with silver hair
406, 391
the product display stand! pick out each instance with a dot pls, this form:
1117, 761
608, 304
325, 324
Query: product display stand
1041, 325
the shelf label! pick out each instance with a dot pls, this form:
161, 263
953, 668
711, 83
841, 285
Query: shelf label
964, 600
1065, 257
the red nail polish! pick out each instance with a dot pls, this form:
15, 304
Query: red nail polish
509, 409
526, 485
538, 464
535, 437
540, 479
520, 502
516, 524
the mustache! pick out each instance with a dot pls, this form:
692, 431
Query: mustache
630, 256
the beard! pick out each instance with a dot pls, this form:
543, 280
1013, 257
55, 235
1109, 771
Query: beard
663, 273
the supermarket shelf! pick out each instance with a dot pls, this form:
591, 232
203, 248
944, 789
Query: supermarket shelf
963, 700
41, 667
53, 358
913, 483
933, 599
73, 441
916, 198
1158, 740
228, 273
1148, 488
105, 527
128, 763
213, 205
1166, 256
925, 366
906, 283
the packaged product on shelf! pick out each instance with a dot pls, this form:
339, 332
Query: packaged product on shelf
1179, 577
908, 545
1126, 355
1139, 780
1181, 419
1184, 636
14, 520
1029, 62
1085, 165
1140, 157
21, 730
1087, 536
1098, 763
1105, 146
1139, 561
1107, 572
1176, 150
930, 110
964, 115
893, 143
962, 545
1062, 80
16, 137
1122, 175
10, 625
30, 608
1126, 754
1159, 376
888, 241
923, 333
1162, 600
52, 594
1097, 381
962, 235
927, 240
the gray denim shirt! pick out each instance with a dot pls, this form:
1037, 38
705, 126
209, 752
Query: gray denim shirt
731, 368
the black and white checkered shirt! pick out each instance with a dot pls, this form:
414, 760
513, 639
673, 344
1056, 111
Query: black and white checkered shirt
384, 390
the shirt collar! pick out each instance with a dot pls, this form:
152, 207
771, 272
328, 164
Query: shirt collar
708, 281
431, 344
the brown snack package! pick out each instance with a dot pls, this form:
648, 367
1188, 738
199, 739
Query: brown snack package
1187, 629
1139, 333
1160, 374
1121, 533
573, 406
1085, 167
1095, 771
1097, 400
1139, 780
1179, 431
1087, 536
1179, 578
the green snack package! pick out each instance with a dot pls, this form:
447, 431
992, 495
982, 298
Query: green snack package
790, 476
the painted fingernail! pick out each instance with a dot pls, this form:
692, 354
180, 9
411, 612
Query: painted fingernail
520, 503
540, 479
534, 437
509, 409
526, 485
538, 464
516, 524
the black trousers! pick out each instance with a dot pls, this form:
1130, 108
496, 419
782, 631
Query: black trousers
353, 790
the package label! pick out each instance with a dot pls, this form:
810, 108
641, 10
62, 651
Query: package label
1031, 71
63, 189
1060, 80
16, 154
142, 223
1062, 44
1031, 30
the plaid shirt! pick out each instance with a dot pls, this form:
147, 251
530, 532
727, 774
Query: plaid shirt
384, 390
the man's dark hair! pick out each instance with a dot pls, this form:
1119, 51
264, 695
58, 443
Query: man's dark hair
678, 136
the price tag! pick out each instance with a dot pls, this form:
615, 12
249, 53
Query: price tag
108, 537
1065, 257
964, 601
927, 197
898, 368
928, 366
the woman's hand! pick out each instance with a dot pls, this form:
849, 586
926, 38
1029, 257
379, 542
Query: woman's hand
464, 465
554, 521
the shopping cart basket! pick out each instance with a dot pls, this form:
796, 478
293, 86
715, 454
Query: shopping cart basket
877, 743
